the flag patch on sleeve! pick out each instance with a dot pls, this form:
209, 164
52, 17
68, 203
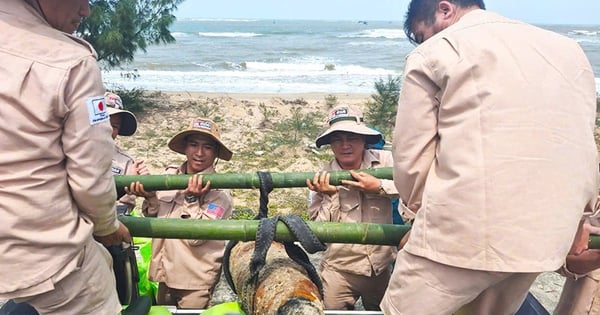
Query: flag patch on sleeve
215, 210
97, 110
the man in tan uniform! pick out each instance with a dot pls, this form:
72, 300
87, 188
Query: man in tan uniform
351, 271
188, 270
494, 150
57, 189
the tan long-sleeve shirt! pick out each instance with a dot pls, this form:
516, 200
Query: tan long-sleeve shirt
56, 186
187, 264
353, 206
494, 145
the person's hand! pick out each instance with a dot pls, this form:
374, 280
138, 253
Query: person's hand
364, 181
582, 237
120, 236
320, 183
585, 262
195, 187
137, 189
138, 168
581, 259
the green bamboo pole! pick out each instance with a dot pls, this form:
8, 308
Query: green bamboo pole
245, 230
240, 180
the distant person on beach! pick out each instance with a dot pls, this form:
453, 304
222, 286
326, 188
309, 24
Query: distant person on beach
58, 193
494, 150
351, 271
123, 123
187, 271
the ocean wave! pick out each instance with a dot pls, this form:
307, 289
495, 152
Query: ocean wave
180, 34
280, 78
217, 20
584, 32
389, 33
228, 34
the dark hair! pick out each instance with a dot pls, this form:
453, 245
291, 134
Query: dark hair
424, 11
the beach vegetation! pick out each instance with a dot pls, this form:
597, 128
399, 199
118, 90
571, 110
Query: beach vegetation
117, 29
298, 101
268, 113
136, 100
331, 101
381, 108
291, 130
208, 109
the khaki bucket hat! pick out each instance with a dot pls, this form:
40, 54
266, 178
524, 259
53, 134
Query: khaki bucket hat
114, 105
203, 126
348, 119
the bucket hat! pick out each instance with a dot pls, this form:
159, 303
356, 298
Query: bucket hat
348, 119
202, 126
114, 105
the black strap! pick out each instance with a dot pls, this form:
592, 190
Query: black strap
265, 187
265, 236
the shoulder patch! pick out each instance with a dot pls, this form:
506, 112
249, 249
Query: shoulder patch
215, 210
97, 110
117, 170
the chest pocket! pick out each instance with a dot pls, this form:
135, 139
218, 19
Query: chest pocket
349, 205
169, 205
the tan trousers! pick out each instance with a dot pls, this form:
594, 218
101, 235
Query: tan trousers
183, 298
342, 289
421, 286
581, 296
90, 289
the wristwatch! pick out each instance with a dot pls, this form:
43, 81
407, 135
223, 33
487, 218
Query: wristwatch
190, 198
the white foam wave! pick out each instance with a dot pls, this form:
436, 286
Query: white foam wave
584, 32
228, 34
218, 20
389, 33
281, 78
180, 34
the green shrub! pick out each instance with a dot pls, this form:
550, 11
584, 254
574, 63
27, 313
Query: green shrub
331, 101
294, 128
136, 100
381, 109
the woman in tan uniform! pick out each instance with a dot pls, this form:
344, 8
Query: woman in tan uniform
188, 270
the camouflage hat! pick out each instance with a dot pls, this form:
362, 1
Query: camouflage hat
348, 119
202, 126
114, 105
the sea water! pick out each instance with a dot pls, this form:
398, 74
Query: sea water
287, 56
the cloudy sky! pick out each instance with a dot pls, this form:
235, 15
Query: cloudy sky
532, 11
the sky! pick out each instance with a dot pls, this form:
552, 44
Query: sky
531, 11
